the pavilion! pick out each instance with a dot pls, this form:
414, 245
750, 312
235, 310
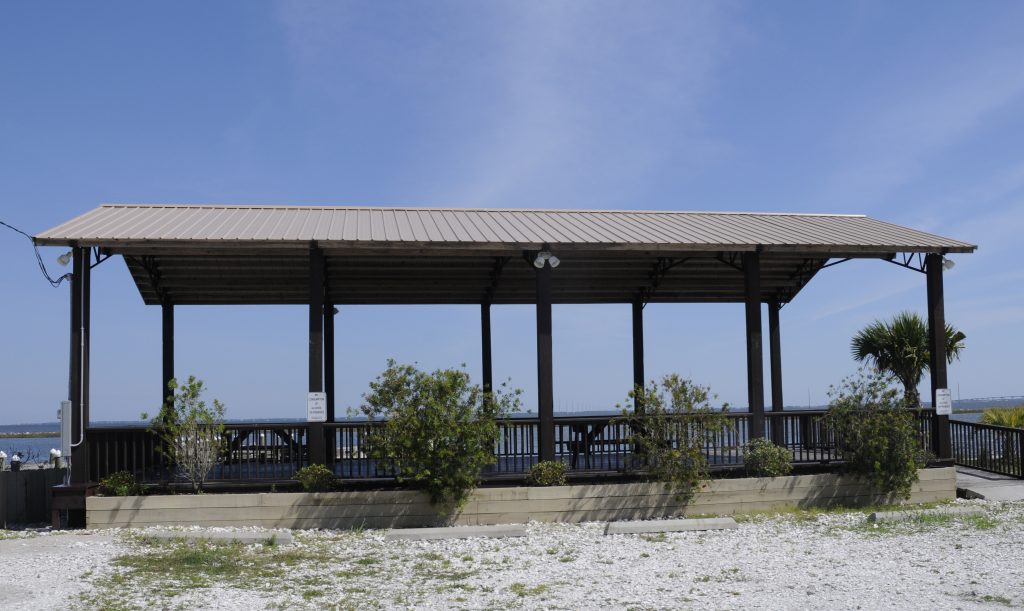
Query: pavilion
182, 255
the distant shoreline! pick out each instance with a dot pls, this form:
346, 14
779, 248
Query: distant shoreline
29, 435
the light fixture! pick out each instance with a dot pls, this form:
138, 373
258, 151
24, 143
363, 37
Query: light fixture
543, 257
64, 259
948, 264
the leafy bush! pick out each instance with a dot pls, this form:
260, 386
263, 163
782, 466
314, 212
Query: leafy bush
547, 473
315, 478
671, 431
765, 459
122, 483
1012, 417
876, 435
441, 430
192, 433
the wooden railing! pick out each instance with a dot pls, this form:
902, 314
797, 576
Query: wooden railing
269, 452
998, 449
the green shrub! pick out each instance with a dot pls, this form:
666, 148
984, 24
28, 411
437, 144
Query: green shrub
441, 430
763, 458
876, 436
315, 478
192, 433
122, 483
670, 433
547, 473
1012, 417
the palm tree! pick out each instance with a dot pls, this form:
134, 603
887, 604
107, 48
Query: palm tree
901, 348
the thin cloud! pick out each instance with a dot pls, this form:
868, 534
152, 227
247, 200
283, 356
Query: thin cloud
891, 142
559, 104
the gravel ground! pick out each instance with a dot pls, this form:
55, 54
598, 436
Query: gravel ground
803, 560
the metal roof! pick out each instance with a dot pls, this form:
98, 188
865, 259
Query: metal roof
109, 225
260, 254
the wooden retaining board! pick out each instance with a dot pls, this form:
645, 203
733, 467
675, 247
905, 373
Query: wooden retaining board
403, 509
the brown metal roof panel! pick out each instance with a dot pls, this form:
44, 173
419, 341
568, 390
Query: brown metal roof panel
274, 226
291, 227
662, 230
562, 224
124, 224
508, 223
544, 229
488, 229
426, 222
670, 229
604, 232
463, 232
88, 225
402, 228
859, 232
212, 227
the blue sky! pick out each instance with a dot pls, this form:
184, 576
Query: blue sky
911, 112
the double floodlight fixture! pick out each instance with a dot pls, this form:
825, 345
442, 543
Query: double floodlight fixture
64, 259
543, 257
948, 264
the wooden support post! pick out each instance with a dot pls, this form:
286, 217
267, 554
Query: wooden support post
638, 352
941, 444
775, 360
167, 310
487, 373
545, 387
329, 358
79, 379
755, 359
317, 447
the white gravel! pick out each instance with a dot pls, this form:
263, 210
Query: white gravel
803, 561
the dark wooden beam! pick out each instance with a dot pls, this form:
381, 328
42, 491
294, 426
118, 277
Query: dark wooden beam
317, 447
78, 384
167, 345
329, 314
485, 347
638, 351
755, 358
545, 384
941, 445
775, 360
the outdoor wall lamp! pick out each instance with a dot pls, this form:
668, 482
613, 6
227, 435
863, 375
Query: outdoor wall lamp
64, 259
948, 264
545, 256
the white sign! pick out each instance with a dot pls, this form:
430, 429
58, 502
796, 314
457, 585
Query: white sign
943, 402
316, 407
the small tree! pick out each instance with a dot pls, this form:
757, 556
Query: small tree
876, 436
441, 430
670, 436
900, 347
192, 433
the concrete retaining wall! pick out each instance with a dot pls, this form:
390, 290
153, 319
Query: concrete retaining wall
25, 495
398, 509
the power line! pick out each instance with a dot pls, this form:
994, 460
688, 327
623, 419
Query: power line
39, 258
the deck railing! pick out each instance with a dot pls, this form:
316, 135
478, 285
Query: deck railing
269, 452
998, 449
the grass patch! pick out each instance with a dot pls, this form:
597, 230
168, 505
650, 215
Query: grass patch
987, 598
161, 570
925, 522
811, 514
522, 590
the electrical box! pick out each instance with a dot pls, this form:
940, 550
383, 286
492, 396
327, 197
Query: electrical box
64, 414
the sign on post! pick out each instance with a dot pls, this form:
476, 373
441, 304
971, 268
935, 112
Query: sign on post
943, 402
316, 407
